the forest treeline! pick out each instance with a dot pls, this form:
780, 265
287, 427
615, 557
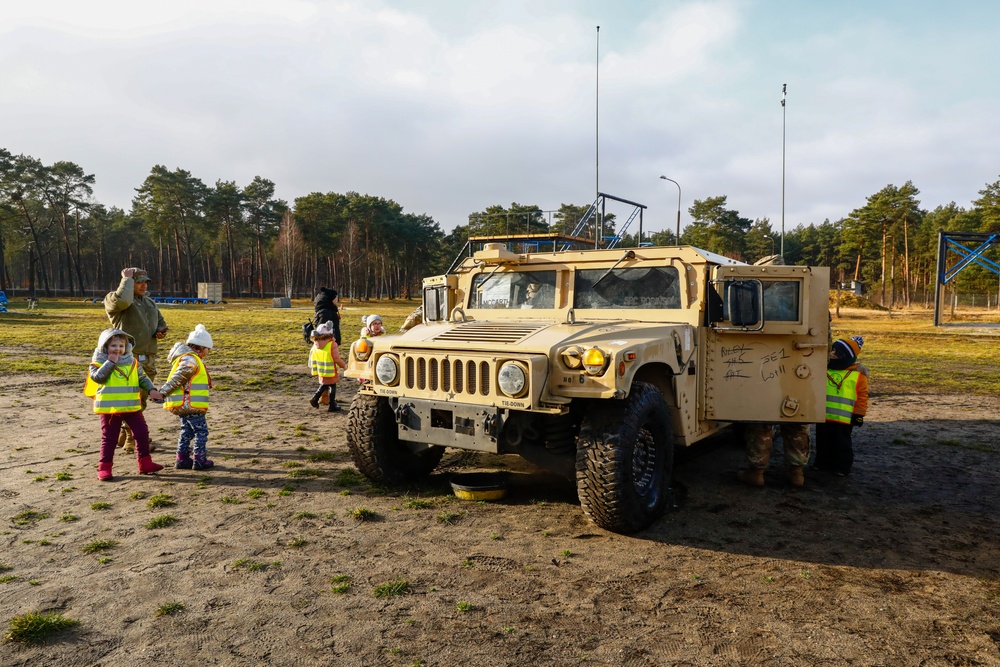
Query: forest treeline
56, 239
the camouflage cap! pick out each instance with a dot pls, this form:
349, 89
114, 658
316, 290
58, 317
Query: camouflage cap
140, 275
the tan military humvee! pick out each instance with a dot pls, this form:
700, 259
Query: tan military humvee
591, 363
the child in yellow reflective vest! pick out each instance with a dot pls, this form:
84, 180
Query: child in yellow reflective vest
846, 405
324, 362
186, 395
113, 382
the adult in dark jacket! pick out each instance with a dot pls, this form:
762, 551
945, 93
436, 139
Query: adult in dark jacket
327, 310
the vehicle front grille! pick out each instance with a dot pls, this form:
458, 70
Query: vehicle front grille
453, 376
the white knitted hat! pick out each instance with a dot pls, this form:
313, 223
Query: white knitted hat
372, 318
200, 336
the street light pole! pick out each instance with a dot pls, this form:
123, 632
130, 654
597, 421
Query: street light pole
677, 240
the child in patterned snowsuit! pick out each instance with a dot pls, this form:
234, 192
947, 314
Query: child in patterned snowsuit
186, 392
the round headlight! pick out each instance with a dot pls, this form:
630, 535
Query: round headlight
511, 379
387, 370
594, 361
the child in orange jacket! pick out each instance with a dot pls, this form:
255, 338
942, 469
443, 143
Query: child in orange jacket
324, 362
846, 406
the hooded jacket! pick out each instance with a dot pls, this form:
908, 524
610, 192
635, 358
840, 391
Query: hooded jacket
101, 367
136, 315
180, 376
326, 311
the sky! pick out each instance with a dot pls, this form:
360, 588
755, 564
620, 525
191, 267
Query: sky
450, 106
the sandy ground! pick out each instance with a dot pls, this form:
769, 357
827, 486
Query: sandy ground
896, 565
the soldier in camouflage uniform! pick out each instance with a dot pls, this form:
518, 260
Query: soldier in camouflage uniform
758, 438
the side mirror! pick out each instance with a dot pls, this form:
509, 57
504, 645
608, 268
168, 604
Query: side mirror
743, 301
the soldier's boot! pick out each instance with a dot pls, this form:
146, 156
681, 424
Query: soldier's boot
751, 476
796, 476
128, 442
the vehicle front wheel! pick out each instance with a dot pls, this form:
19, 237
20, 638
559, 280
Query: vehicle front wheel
624, 461
377, 451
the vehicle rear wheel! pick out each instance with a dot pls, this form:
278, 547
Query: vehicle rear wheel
377, 451
624, 461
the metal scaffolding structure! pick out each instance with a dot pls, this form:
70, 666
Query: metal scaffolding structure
958, 242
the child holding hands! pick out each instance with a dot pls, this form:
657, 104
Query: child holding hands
324, 360
186, 392
114, 382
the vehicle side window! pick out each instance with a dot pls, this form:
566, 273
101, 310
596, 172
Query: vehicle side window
781, 300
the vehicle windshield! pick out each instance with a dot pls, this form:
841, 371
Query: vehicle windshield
510, 291
641, 287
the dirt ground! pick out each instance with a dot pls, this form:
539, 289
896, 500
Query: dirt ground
898, 564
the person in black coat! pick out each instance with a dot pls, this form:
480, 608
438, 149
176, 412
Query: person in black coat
327, 310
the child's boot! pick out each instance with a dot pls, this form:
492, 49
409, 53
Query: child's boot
333, 399
104, 472
314, 401
202, 463
183, 462
146, 465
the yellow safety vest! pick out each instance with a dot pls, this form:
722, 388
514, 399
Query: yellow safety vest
196, 389
841, 395
119, 394
321, 361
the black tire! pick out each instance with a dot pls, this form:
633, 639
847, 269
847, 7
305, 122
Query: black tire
373, 438
624, 461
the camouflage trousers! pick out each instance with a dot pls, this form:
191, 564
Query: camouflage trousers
759, 442
125, 438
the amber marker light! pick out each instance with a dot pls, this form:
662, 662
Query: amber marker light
594, 361
362, 348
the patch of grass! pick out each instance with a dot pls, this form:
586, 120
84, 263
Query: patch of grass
254, 566
363, 514
341, 584
392, 589
138, 495
162, 521
291, 464
100, 506
496, 536
256, 493
323, 456
170, 609
304, 515
160, 500
448, 518
7, 578
297, 542
40, 478
567, 553
63, 476
99, 545
349, 477
69, 518
464, 606
231, 500
307, 472
420, 503
36, 627
286, 490
468, 564
969, 446
28, 518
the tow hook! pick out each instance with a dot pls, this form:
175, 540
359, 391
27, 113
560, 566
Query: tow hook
492, 425
404, 415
